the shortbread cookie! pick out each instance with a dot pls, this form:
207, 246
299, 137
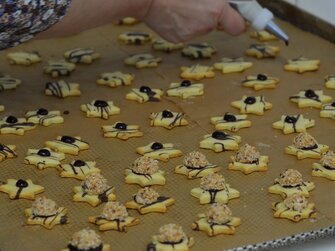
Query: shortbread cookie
217, 220
261, 81
171, 237
290, 182
329, 81
122, 131
44, 117
163, 45
263, 36
248, 160
145, 172
199, 50
230, 65
231, 122
220, 141
86, 239
127, 21
78, 169
295, 208
293, 123
81, 55
213, 188
185, 89
135, 37
45, 212
143, 60
21, 189
305, 146
24, 58
13, 125
159, 151
168, 119
2, 108
252, 105
94, 190
8, 83
197, 72
147, 200
328, 111
311, 98
260, 51
62, 89
100, 109
7, 152
144, 94
114, 216
196, 165
59, 68
302, 64
44, 158
67, 144
326, 167
115, 79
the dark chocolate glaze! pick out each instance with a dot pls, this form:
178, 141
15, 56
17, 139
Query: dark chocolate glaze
145, 89
100, 103
167, 114
290, 119
42, 111
156, 146
68, 139
250, 100
2, 147
121, 126
79, 163
212, 194
219, 135
329, 168
11, 120
44, 153
310, 147
73, 248
229, 117
185, 83
311, 94
262, 77
21, 183
159, 199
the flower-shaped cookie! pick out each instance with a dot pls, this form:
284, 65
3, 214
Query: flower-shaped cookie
326, 167
45, 212
199, 50
159, 151
20, 189
196, 165
24, 58
252, 104
62, 89
328, 111
311, 98
302, 64
7, 152
81, 55
197, 72
248, 160
67, 144
121, 130
329, 81
231, 122
261, 81
94, 190
213, 188
59, 68
220, 141
305, 146
163, 45
168, 119
147, 200
217, 220
170, 237
44, 158
13, 125
135, 37
100, 109
230, 65
145, 172
8, 83
115, 79
78, 169
263, 36
185, 89
143, 60
260, 51
44, 117
293, 123
289, 182
295, 208
144, 94
114, 216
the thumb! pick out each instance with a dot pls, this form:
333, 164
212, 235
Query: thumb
231, 21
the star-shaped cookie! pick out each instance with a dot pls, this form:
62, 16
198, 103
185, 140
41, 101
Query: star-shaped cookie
185, 89
44, 117
330, 81
163, 45
231, 122
263, 36
59, 68
198, 50
67, 144
231, 65
144, 94
293, 123
311, 98
261, 81
78, 169
21, 189
115, 79
260, 51
168, 119
44, 158
302, 64
81, 55
8, 83
143, 60
328, 111
24, 58
326, 167
145, 179
135, 37
93, 199
7, 152
100, 109
13, 125
252, 104
122, 131
261, 165
159, 151
197, 72
62, 89
220, 141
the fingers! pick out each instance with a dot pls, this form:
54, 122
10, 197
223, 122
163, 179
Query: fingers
231, 21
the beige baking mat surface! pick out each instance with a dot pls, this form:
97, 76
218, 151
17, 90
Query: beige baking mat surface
113, 155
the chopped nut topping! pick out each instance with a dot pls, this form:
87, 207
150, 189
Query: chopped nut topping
328, 159
85, 239
218, 213
114, 211
172, 233
43, 206
146, 196
213, 181
196, 160
290, 177
247, 154
94, 184
145, 165
303, 140
296, 202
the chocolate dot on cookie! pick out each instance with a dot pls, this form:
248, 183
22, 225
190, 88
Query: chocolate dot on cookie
219, 135
290, 119
42, 111
310, 94
121, 126
229, 117
100, 103
145, 89
262, 77
2, 147
167, 114
185, 83
11, 120
156, 146
79, 162
21, 183
250, 100
44, 153
68, 139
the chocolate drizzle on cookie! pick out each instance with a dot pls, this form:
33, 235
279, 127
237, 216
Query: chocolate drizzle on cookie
73, 248
311, 95
21, 184
151, 94
308, 148
292, 120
